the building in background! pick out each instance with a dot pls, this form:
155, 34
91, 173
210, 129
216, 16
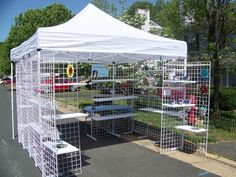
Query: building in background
149, 25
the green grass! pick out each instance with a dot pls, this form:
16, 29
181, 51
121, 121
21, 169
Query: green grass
223, 129
69, 98
149, 118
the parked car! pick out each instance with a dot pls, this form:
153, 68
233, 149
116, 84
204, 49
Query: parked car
61, 84
7, 81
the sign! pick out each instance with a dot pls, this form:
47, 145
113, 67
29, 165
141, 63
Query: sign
99, 70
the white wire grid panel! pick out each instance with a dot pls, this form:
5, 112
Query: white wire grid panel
149, 86
112, 94
48, 113
166, 101
185, 106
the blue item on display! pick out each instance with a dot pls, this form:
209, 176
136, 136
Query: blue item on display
171, 101
186, 78
175, 78
204, 73
187, 101
187, 110
180, 101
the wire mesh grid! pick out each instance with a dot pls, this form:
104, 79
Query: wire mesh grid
48, 113
168, 101
111, 111
185, 106
149, 88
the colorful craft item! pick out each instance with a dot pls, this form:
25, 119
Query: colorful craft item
175, 78
180, 101
204, 89
191, 114
171, 101
145, 81
204, 73
144, 92
187, 101
186, 78
202, 112
187, 110
70, 70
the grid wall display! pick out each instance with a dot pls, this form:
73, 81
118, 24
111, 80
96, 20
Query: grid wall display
48, 113
167, 101
112, 94
185, 106
149, 103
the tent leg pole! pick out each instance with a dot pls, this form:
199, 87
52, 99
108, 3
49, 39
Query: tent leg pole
12, 104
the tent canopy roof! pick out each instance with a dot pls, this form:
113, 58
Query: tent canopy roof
92, 34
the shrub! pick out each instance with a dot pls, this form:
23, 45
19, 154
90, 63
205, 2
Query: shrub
228, 99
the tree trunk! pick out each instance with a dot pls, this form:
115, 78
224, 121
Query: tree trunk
216, 95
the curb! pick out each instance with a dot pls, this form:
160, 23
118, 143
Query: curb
221, 159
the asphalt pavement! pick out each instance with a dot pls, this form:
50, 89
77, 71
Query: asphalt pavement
108, 157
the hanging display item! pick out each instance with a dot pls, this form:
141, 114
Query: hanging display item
145, 81
204, 73
204, 89
70, 70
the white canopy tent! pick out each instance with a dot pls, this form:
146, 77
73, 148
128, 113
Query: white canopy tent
92, 35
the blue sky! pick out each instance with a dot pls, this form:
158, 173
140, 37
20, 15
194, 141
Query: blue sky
9, 9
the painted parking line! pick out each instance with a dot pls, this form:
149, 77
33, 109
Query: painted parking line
204, 173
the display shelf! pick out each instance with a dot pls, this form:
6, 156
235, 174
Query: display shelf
118, 116
102, 108
178, 105
67, 149
180, 81
173, 113
189, 64
151, 110
175, 70
66, 116
71, 84
158, 87
64, 84
113, 80
114, 98
152, 87
24, 106
190, 129
152, 70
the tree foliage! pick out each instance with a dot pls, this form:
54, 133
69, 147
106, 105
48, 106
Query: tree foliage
136, 20
217, 19
170, 18
25, 26
107, 7
214, 21
130, 17
143, 5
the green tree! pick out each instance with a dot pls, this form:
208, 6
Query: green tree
136, 20
143, 5
217, 18
169, 17
212, 22
130, 16
26, 24
104, 5
2, 61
